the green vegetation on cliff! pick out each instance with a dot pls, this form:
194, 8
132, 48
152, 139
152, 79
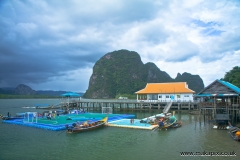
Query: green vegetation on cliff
123, 73
155, 75
194, 82
115, 73
233, 76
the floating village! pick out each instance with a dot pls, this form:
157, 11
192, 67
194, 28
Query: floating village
219, 102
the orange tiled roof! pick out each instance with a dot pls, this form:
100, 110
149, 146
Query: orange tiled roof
158, 88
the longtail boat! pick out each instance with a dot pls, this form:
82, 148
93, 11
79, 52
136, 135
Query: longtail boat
76, 128
169, 123
18, 116
176, 124
235, 133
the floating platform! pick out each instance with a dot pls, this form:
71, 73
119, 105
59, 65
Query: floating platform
126, 123
60, 122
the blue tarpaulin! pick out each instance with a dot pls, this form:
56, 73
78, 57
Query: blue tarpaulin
70, 94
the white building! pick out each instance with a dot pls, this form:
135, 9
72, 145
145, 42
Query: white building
165, 92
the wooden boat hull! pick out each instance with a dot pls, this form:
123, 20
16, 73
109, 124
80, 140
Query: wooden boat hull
169, 124
78, 129
11, 118
176, 125
48, 107
173, 125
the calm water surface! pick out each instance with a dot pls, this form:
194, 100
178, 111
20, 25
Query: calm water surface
109, 143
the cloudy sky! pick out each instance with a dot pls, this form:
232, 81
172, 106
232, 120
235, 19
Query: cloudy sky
54, 44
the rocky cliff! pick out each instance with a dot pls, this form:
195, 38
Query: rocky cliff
194, 82
24, 90
122, 72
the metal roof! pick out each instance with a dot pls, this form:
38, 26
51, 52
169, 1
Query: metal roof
231, 86
218, 95
226, 84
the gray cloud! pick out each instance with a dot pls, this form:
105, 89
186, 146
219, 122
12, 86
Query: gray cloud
48, 44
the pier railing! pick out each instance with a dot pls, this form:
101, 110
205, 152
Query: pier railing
108, 100
136, 101
97, 104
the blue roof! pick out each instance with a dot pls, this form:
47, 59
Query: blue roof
219, 95
227, 84
204, 95
231, 86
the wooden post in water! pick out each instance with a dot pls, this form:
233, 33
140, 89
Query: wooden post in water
238, 106
232, 113
214, 106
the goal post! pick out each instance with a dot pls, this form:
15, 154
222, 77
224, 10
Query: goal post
31, 117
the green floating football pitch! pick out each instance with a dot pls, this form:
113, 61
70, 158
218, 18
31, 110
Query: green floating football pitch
58, 122
70, 118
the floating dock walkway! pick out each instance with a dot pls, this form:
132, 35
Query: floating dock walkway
125, 123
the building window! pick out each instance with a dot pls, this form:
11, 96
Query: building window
186, 95
142, 97
178, 96
167, 96
155, 97
152, 96
160, 96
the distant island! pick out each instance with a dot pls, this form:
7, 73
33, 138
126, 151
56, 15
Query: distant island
24, 91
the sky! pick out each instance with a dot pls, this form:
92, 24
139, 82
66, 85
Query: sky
54, 44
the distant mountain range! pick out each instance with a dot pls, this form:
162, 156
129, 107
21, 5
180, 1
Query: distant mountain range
118, 72
22, 89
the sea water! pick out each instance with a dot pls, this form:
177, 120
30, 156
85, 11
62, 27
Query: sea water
111, 143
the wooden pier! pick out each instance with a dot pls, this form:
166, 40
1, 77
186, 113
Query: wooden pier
117, 105
194, 107
212, 109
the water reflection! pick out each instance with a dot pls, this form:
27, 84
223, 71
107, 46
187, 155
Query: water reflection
196, 135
